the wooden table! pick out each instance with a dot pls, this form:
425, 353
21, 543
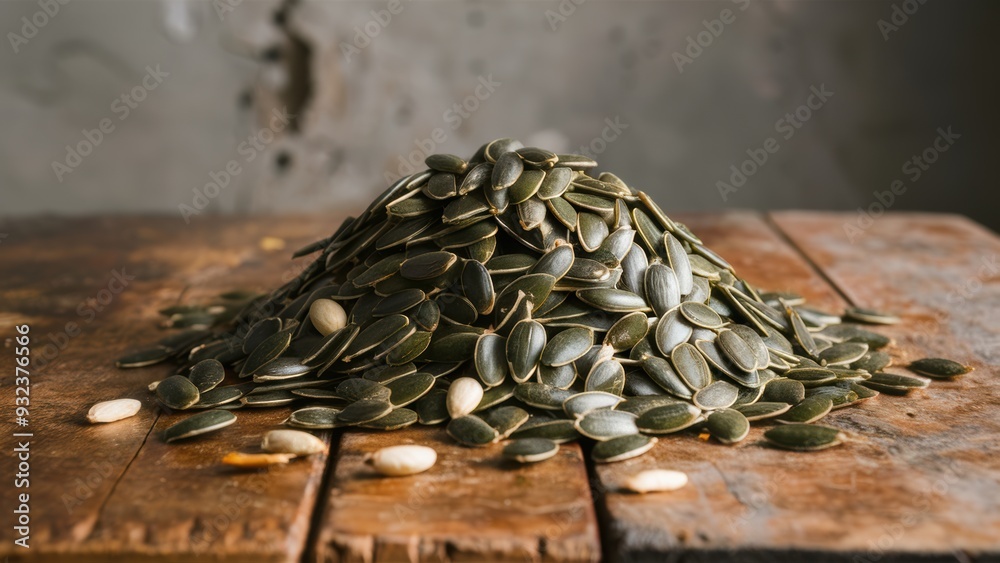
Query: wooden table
921, 481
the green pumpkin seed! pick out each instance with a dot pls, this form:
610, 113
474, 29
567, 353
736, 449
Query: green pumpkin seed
177, 392
427, 266
808, 410
727, 425
524, 349
869, 316
198, 424
490, 359
316, 418
542, 396
668, 418
559, 431
567, 346
605, 424
939, 368
582, 403
356, 389
718, 395
691, 366
432, 408
206, 374
622, 448
364, 411
399, 418
530, 450
613, 300
144, 358
409, 388
470, 430
268, 351
506, 420
445, 163
804, 437
784, 391
763, 409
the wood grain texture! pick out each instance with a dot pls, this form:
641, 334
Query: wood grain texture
116, 490
919, 482
471, 506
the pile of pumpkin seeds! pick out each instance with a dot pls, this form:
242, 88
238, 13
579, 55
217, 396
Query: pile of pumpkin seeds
520, 296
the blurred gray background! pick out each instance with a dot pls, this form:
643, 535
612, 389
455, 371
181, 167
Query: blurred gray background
669, 95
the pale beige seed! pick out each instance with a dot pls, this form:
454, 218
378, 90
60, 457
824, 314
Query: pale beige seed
396, 461
152, 386
110, 411
656, 480
295, 442
464, 395
327, 316
239, 459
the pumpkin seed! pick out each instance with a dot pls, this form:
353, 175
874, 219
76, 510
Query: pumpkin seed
143, 358
530, 450
206, 374
668, 418
524, 349
464, 395
567, 346
804, 437
718, 395
763, 409
110, 411
294, 442
398, 418
808, 410
506, 419
869, 316
604, 424
727, 425
613, 300
177, 392
622, 448
939, 368
470, 430
315, 417
399, 461
691, 366
198, 424
655, 480
364, 411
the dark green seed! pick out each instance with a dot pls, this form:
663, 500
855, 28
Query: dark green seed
622, 448
198, 424
940, 368
804, 437
727, 426
177, 392
530, 450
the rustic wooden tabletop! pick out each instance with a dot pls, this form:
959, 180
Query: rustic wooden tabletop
920, 481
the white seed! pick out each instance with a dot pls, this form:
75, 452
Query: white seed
396, 461
656, 480
327, 316
294, 442
110, 411
464, 395
239, 459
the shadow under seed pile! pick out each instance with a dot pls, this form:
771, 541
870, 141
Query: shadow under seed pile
516, 296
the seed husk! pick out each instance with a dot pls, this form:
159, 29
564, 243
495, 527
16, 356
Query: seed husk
399, 461
870, 316
804, 437
294, 442
939, 368
110, 411
655, 481
622, 448
198, 424
257, 460
464, 395
530, 450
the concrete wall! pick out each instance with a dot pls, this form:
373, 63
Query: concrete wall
560, 72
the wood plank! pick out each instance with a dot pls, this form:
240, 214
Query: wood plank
471, 506
96, 494
881, 497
